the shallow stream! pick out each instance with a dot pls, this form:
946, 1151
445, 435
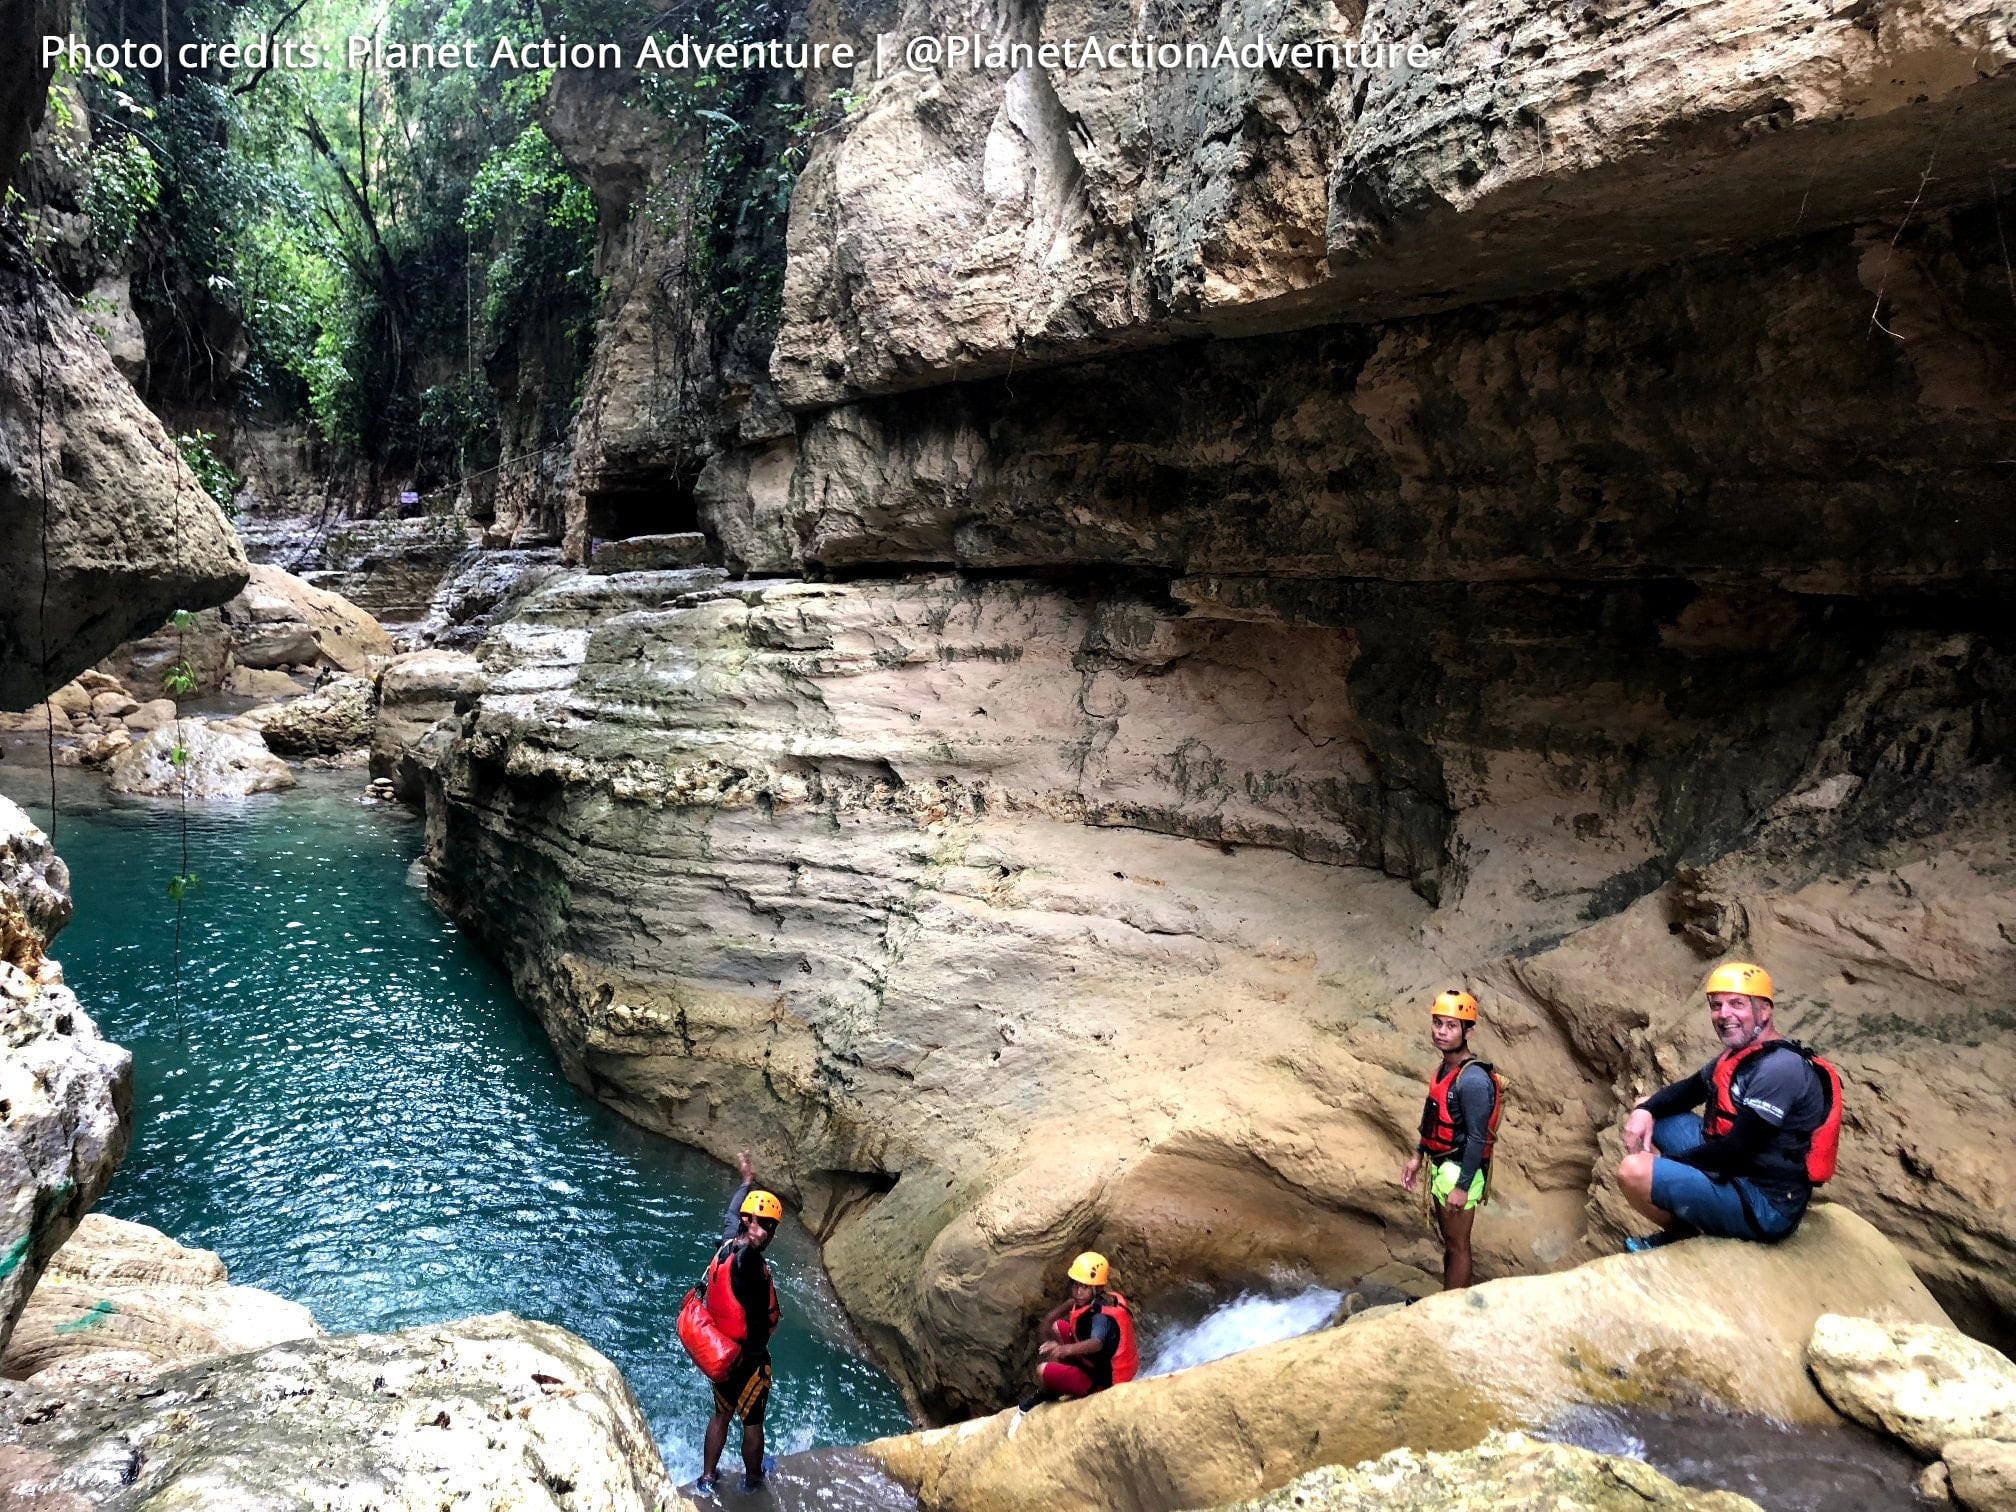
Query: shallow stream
353, 1110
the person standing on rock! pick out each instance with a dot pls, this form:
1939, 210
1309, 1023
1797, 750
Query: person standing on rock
1459, 1132
1091, 1344
743, 1301
1746, 1169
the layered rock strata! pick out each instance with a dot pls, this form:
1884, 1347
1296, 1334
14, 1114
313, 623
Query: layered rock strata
1440, 1375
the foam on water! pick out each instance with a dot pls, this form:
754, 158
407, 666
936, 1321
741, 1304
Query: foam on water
1248, 1321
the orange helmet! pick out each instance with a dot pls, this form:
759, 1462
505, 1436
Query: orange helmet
761, 1204
1456, 1004
1741, 976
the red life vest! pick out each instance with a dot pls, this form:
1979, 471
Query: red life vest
722, 1303
1126, 1357
1438, 1122
1822, 1145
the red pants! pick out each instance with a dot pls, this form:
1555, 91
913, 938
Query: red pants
1062, 1378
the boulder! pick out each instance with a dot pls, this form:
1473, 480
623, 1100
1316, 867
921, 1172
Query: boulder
219, 763
92, 487
1508, 1472
260, 682
122, 1298
97, 750
1982, 1474
151, 716
282, 621
490, 1412
65, 1094
1925, 1385
1714, 1322
336, 717
416, 692
113, 705
73, 699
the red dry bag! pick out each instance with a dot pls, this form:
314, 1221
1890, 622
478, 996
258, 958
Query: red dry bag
712, 1350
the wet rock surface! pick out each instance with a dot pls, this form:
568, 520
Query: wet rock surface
1925, 1385
494, 1411
1506, 1470
1647, 1330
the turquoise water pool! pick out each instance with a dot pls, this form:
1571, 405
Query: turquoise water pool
354, 1111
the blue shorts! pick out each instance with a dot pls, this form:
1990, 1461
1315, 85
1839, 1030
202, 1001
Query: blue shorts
1726, 1206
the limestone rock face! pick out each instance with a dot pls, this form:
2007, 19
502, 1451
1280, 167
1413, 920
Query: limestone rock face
65, 1093
968, 220
491, 1411
221, 763
415, 693
87, 471
1507, 1471
124, 1300
336, 717
281, 621
1925, 1385
1436, 1376
1982, 1473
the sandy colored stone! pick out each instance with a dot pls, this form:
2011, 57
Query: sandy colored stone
336, 717
221, 763
74, 699
1925, 1385
151, 716
1982, 1474
280, 621
261, 682
1935, 1483
491, 1412
1715, 1322
415, 693
123, 1299
112, 705
97, 750
1508, 1472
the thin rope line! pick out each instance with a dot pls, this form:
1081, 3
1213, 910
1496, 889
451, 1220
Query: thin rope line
48, 505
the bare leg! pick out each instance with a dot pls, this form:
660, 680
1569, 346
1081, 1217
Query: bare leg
752, 1448
1634, 1180
711, 1446
1456, 1224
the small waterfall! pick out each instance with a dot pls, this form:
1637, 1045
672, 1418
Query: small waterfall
1246, 1322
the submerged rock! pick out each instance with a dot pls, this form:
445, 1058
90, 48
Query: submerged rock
1508, 1472
1925, 1385
65, 1093
219, 763
493, 1412
1713, 1322
120, 1299
336, 717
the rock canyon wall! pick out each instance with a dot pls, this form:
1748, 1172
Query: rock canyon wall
1206, 566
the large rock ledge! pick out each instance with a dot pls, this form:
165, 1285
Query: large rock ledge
88, 475
65, 1093
966, 223
491, 1412
1711, 1322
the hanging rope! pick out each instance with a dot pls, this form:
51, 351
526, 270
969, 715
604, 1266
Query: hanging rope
48, 504
183, 881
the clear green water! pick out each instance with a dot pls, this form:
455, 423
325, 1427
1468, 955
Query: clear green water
360, 1116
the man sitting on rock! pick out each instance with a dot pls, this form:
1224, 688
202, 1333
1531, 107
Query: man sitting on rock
1093, 1344
1747, 1168
1459, 1132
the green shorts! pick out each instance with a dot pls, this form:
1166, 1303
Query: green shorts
1443, 1181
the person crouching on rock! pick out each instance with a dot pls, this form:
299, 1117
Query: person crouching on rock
1746, 1169
1459, 1132
1092, 1343
743, 1301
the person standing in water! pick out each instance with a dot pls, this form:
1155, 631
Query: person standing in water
1771, 1130
743, 1301
1459, 1132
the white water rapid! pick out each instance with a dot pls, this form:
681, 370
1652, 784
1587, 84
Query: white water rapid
1246, 1322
